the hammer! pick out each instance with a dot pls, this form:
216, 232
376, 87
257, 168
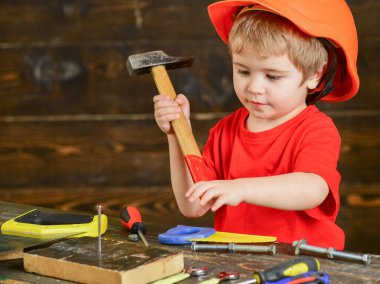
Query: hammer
156, 63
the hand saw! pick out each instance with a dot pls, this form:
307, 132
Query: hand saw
39, 224
36, 227
12, 244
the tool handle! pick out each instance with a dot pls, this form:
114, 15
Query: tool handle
311, 277
38, 217
182, 130
130, 218
294, 267
181, 126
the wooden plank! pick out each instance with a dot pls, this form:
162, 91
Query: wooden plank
133, 151
119, 262
133, 20
21, 277
93, 79
110, 20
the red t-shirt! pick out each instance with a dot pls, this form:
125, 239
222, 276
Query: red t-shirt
307, 143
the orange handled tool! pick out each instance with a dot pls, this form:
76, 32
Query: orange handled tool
131, 219
156, 63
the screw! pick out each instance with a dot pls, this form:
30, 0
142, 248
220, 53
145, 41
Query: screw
330, 252
99, 229
133, 237
235, 248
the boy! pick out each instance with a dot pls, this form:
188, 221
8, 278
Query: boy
273, 161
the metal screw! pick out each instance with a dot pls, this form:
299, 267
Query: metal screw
133, 238
99, 229
330, 252
234, 248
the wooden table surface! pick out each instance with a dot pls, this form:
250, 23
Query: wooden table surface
338, 270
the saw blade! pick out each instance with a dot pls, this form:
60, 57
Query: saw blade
9, 243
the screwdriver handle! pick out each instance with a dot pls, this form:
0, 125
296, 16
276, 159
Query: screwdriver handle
290, 268
130, 218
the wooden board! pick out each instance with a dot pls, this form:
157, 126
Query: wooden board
78, 260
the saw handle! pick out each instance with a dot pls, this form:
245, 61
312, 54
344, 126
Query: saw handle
181, 128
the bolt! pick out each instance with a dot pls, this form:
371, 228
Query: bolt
330, 252
234, 248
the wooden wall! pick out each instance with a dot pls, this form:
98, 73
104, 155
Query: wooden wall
70, 115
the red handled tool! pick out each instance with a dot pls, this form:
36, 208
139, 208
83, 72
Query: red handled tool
156, 63
130, 218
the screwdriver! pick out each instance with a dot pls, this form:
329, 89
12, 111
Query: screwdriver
290, 268
130, 218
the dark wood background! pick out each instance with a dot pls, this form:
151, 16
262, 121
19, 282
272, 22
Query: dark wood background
76, 130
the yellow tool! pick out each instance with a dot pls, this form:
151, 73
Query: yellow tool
38, 224
224, 237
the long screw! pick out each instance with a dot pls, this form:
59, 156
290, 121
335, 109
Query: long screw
331, 253
234, 248
99, 229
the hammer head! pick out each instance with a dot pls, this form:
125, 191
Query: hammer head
142, 63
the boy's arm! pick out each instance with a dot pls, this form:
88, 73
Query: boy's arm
166, 111
182, 181
293, 191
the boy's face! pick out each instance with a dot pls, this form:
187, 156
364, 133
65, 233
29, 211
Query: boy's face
269, 88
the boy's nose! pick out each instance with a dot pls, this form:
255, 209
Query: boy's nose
256, 86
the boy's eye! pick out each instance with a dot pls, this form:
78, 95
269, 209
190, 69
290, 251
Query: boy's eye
243, 72
273, 77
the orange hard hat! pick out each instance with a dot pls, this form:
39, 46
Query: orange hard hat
331, 20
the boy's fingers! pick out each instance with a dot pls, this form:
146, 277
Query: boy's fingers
166, 110
211, 193
196, 191
192, 188
161, 98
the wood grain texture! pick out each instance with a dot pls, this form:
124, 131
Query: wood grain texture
246, 263
71, 117
46, 71
133, 151
120, 262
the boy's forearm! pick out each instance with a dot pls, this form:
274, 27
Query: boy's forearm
293, 191
181, 180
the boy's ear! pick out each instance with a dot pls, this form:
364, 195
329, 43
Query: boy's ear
314, 80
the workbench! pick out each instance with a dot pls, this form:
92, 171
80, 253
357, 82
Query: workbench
246, 263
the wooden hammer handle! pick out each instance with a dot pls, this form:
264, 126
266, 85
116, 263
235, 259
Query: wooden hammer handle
181, 126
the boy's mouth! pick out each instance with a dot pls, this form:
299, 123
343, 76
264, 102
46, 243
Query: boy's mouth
256, 103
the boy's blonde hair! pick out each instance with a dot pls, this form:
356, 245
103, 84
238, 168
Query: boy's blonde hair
268, 34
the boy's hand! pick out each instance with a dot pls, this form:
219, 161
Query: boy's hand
167, 110
219, 192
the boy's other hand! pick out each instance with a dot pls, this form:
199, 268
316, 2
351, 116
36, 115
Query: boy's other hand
167, 110
220, 192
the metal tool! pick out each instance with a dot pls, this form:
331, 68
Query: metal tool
331, 253
190, 272
156, 63
232, 247
222, 276
225, 275
197, 271
130, 218
11, 244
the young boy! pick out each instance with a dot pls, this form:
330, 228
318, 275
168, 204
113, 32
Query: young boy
273, 162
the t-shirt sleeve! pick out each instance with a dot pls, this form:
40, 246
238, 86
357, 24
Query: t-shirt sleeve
319, 154
210, 154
